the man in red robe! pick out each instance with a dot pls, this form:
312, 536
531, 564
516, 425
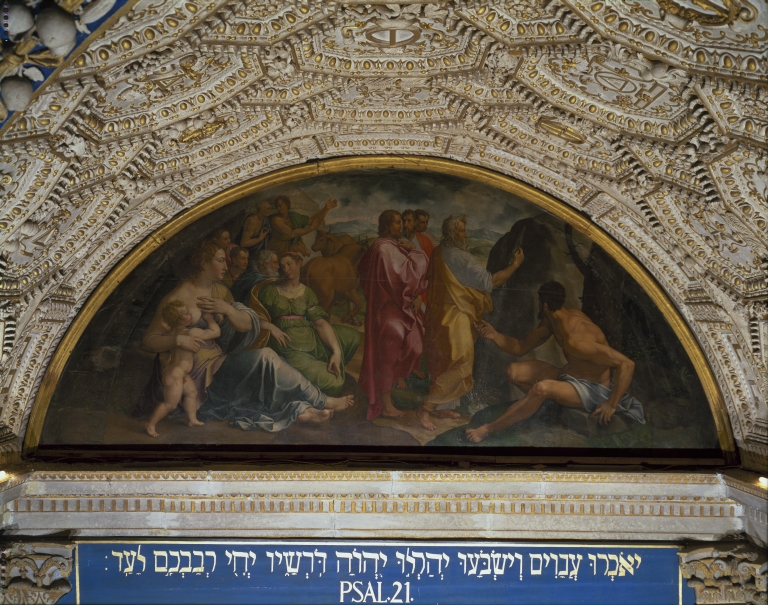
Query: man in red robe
392, 274
421, 223
415, 223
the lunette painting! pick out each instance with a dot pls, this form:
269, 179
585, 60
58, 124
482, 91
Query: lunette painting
380, 308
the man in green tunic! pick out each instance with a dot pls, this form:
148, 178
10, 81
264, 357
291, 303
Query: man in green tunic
289, 227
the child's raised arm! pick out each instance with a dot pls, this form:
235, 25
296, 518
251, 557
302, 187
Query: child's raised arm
213, 330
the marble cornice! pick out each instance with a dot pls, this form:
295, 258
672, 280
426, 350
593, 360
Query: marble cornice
322, 503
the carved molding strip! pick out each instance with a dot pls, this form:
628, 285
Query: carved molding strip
325, 503
254, 478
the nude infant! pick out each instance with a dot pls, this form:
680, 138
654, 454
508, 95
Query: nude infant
178, 363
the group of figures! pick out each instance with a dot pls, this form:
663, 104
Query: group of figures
210, 343
247, 337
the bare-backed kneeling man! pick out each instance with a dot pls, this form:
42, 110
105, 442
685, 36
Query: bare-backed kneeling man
584, 382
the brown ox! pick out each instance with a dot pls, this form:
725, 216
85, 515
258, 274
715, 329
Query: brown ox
333, 276
329, 244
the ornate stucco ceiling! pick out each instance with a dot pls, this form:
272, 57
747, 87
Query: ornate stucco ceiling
649, 117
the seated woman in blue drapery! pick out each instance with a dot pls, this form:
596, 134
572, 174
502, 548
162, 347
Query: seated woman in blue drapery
252, 388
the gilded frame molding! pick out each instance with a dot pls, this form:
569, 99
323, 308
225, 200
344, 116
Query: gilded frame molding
345, 164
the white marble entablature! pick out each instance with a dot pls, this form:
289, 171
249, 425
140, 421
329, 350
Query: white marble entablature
336, 504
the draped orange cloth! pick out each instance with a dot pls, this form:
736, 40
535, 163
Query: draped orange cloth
449, 340
425, 243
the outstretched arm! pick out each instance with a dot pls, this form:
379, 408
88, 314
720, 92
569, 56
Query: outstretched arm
500, 277
284, 226
318, 218
623, 367
280, 336
509, 344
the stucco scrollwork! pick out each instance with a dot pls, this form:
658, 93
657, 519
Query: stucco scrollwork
648, 117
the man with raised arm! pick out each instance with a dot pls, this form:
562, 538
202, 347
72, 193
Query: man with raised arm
288, 227
458, 295
584, 382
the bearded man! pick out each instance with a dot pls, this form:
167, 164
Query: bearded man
266, 267
288, 227
409, 227
420, 241
392, 275
459, 293
596, 377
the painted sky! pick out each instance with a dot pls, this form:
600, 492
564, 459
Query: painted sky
363, 196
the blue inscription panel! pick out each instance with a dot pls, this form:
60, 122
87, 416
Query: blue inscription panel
418, 573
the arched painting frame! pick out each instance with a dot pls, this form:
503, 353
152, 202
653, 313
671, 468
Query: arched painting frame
337, 166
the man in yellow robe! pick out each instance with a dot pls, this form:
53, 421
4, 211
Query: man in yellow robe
458, 294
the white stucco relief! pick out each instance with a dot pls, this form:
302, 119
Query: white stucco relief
651, 119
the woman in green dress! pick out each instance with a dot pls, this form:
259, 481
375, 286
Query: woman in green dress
302, 334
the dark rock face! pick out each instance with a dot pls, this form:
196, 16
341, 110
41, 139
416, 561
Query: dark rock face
581, 422
515, 303
515, 307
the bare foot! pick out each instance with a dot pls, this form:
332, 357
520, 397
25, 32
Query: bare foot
392, 412
400, 385
419, 374
339, 403
195, 422
151, 430
447, 414
478, 434
423, 416
315, 415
